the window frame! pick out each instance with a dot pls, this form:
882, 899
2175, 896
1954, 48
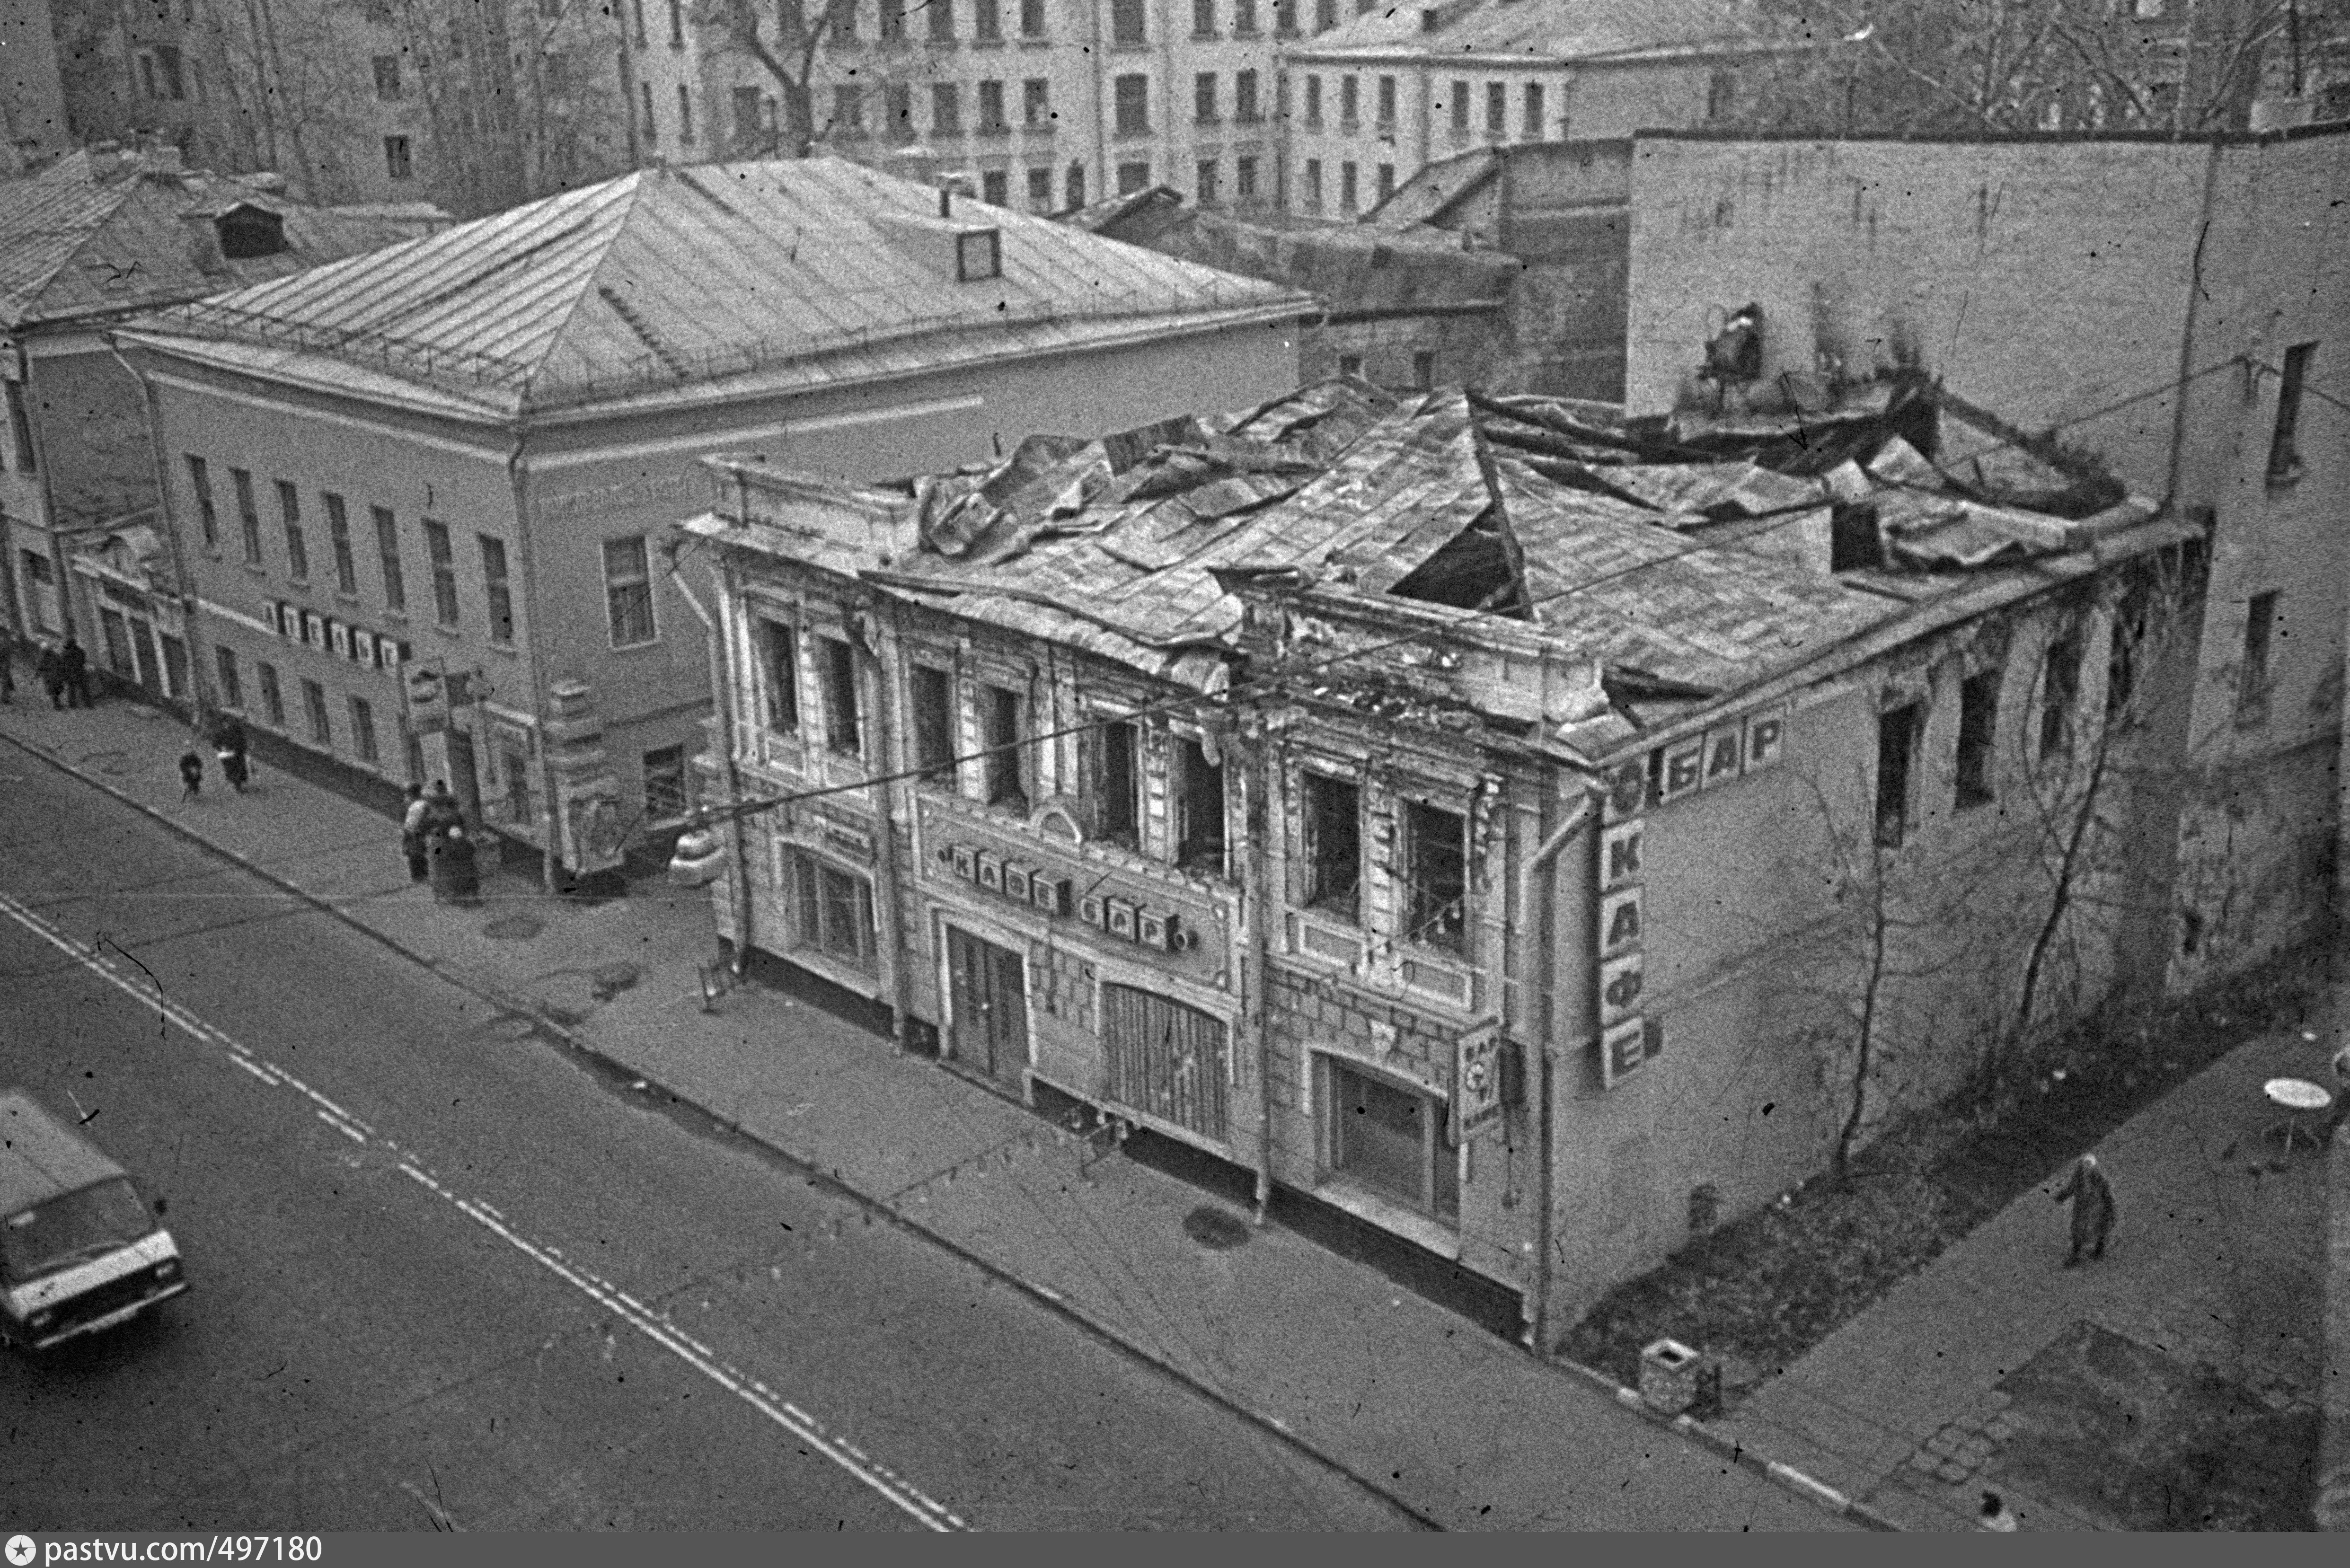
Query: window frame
930, 705
225, 678
314, 709
1313, 810
1975, 759
1437, 1163
273, 692
497, 589
2286, 464
386, 554
1429, 932
398, 159
199, 484
775, 647
440, 555
2256, 672
2060, 691
844, 704
1899, 730
1007, 760
673, 770
363, 736
636, 584
297, 547
813, 907
338, 544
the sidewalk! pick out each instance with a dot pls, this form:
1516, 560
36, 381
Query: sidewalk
1461, 1428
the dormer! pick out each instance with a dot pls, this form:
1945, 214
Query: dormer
248, 232
956, 252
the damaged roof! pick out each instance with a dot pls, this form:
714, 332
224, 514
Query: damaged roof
1685, 560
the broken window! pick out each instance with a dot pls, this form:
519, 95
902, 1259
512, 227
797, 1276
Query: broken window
1978, 735
1897, 743
843, 730
2130, 618
934, 746
2060, 687
1332, 809
1116, 783
1199, 810
1436, 877
999, 711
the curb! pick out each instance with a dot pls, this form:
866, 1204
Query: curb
1050, 1300
1787, 1476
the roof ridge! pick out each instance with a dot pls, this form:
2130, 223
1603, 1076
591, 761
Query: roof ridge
622, 212
119, 190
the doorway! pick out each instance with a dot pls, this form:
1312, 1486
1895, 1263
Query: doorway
987, 1008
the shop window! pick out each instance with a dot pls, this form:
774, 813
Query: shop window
665, 793
297, 552
1200, 809
443, 558
387, 551
2284, 448
1118, 783
2254, 679
1000, 732
832, 911
1977, 738
199, 484
2060, 688
934, 727
1897, 746
1390, 1139
314, 704
338, 537
363, 742
779, 666
628, 591
1331, 810
231, 688
844, 728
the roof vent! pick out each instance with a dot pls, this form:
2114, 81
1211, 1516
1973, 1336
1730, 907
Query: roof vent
956, 252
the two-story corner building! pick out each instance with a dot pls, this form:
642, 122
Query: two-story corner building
1453, 811
1402, 86
2175, 306
456, 454
93, 239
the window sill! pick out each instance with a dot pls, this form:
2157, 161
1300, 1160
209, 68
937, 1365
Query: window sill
615, 647
1123, 135
992, 131
985, 43
1439, 1237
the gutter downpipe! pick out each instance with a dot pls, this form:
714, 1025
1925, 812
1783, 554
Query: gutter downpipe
526, 539
199, 683
723, 699
885, 612
1537, 867
1256, 817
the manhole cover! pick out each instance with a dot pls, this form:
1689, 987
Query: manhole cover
513, 927
1214, 1228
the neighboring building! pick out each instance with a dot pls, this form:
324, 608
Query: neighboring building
1456, 812
419, 495
2178, 308
33, 125
95, 238
1402, 86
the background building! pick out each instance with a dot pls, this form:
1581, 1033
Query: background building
33, 122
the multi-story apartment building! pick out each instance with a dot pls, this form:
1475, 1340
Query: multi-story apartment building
33, 125
95, 238
1374, 100
1464, 816
420, 494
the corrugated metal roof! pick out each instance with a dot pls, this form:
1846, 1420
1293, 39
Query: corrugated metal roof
805, 269
1593, 31
95, 235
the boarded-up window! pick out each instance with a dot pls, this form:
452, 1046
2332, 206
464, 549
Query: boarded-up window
1165, 1059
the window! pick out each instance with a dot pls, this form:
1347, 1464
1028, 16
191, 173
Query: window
991, 109
1203, 18
1311, 180
1208, 176
1199, 790
1244, 179
1117, 785
396, 164
2285, 454
1534, 112
1331, 810
898, 108
1245, 107
1133, 177
438, 550
843, 20
338, 536
934, 744
1075, 186
2259, 635
248, 516
1391, 1140
942, 16
1349, 101
232, 690
387, 550
832, 910
995, 188
1387, 181
363, 729
946, 110
1721, 94
980, 256
2060, 687
200, 483
20, 426
653, 127
1897, 744
496, 590
1314, 102
1326, 14
684, 113
1497, 110
297, 554
779, 666
1133, 105
637, 15
1032, 18
1854, 542
167, 72
665, 799
1461, 108
1284, 17
677, 28
273, 699
314, 704
986, 23
387, 78
848, 111
1040, 190
1005, 766
747, 117
1436, 865
842, 731
628, 590
1126, 21
1244, 18
1977, 738
1387, 103
1350, 364
1346, 187
1204, 97
1035, 102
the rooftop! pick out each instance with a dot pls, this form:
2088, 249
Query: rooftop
714, 278
1590, 32
1681, 561
100, 234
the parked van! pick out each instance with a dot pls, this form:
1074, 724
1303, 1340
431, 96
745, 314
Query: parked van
79, 1249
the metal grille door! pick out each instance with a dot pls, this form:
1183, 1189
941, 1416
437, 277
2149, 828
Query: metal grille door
1165, 1058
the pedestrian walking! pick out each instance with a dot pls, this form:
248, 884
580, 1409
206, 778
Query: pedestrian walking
52, 673
2092, 1197
412, 834
1994, 1515
75, 663
229, 746
192, 775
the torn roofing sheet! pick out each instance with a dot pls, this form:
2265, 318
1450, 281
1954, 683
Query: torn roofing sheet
1716, 492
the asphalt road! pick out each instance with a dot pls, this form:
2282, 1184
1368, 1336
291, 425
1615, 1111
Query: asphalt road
445, 1277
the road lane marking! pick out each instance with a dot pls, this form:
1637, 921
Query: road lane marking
908, 1498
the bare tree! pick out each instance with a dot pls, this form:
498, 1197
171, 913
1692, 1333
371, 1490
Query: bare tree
790, 41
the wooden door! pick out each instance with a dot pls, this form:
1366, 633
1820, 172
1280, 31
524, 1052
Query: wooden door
988, 1008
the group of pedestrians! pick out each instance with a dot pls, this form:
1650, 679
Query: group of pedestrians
229, 746
63, 671
432, 837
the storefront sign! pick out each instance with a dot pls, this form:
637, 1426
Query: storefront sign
1476, 1082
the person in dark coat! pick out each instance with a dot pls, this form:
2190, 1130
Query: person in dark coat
192, 775
229, 745
412, 834
52, 671
75, 664
2093, 1207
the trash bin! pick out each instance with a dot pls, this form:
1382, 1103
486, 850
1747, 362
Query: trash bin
456, 874
1668, 1377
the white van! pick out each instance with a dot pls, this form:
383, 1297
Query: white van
79, 1249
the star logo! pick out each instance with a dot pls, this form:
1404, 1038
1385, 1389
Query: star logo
20, 1549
